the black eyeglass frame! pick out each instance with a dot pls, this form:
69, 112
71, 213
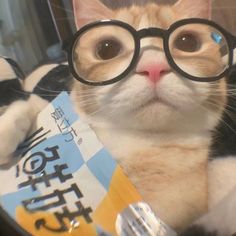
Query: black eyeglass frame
152, 32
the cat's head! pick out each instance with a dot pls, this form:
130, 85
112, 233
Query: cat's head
147, 99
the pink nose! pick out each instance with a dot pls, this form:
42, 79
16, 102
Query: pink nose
153, 71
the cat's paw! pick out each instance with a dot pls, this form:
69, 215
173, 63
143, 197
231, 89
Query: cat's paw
219, 221
12, 133
14, 126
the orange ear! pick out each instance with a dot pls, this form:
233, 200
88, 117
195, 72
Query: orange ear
194, 8
89, 11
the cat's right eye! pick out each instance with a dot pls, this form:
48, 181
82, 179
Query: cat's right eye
187, 42
108, 49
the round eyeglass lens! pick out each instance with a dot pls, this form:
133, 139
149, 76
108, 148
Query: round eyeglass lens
199, 50
103, 53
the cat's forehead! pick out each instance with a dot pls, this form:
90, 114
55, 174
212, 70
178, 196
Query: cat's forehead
150, 15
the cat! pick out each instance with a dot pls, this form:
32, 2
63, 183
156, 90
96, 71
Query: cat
160, 132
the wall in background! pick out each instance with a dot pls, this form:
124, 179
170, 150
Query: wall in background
224, 12
32, 31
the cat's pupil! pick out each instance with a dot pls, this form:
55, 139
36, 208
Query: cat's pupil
108, 49
187, 42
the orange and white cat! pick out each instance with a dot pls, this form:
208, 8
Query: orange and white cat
158, 129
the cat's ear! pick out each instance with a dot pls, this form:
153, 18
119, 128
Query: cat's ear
89, 11
195, 8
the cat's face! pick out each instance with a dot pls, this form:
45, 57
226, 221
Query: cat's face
150, 98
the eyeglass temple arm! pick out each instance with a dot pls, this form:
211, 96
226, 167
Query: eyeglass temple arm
233, 41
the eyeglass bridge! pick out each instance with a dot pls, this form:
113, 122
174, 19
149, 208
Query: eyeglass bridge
151, 32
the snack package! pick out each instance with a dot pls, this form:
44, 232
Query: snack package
66, 183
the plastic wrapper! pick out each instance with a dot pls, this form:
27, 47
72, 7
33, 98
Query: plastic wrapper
66, 183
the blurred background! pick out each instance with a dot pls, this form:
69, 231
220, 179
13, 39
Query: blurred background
33, 32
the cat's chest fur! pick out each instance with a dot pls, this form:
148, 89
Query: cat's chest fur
170, 171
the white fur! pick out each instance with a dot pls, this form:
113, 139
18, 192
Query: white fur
222, 198
6, 72
15, 123
33, 79
222, 179
221, 219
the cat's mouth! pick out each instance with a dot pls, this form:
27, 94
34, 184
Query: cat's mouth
155, 101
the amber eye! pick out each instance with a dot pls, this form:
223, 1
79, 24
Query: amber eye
187, 42
108, 49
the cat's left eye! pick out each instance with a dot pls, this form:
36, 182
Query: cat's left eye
108, 49
187, 42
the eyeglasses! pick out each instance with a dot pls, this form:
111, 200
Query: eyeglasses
105, 52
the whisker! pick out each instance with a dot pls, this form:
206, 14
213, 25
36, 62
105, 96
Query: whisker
90, 116
226, 110
212, 114
33, 93
220, 119
22, 91
50, 90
